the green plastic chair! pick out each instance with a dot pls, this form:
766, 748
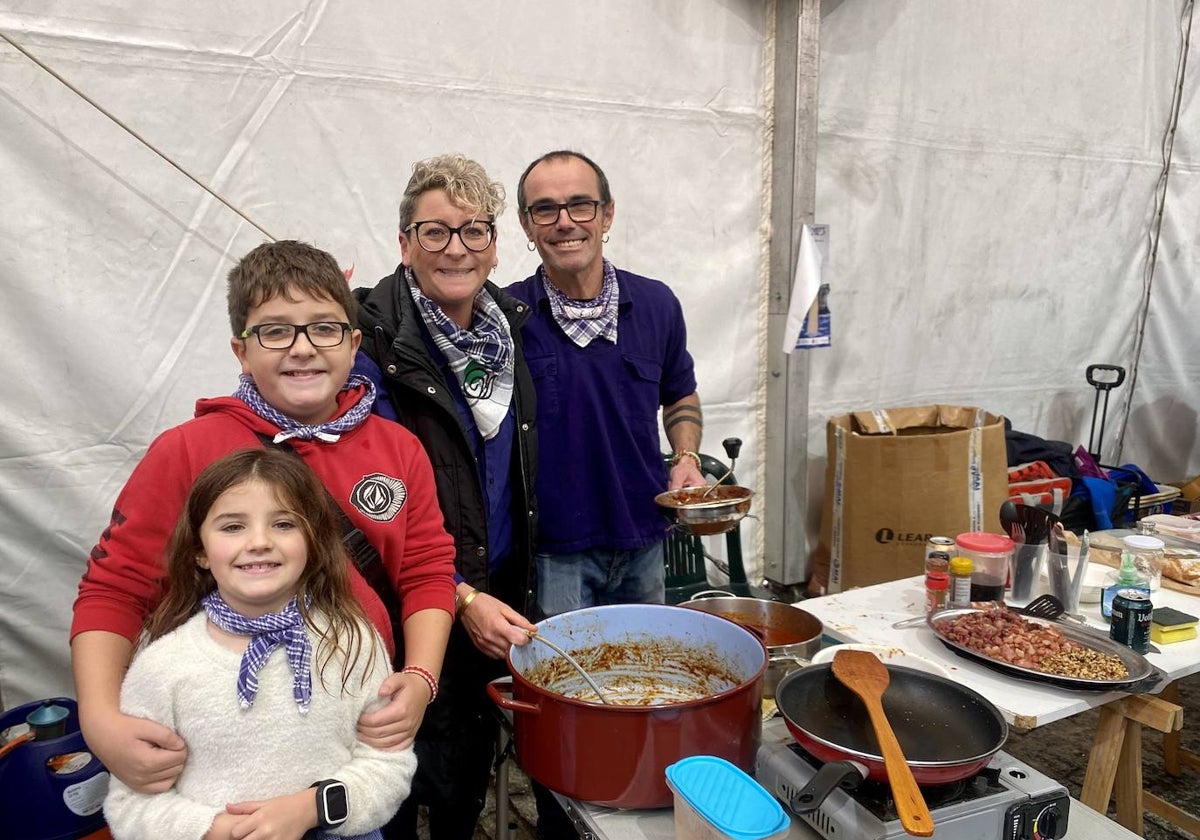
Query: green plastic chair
684, 555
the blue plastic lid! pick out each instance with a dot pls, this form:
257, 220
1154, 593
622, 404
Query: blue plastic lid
46, 715
728, 798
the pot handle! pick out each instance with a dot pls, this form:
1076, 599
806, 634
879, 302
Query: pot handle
833, 774
799, 661
711, 593
506, 701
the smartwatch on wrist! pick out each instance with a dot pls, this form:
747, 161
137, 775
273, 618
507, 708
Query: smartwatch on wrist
333, 806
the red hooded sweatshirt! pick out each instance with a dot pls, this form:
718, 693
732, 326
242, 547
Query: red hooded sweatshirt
378, 473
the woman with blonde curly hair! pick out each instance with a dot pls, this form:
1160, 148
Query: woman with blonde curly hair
443, 345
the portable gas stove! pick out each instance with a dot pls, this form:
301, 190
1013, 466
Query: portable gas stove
1007, 800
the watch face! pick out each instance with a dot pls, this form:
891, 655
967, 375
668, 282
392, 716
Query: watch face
336, 807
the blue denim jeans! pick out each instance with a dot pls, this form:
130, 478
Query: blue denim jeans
600, 576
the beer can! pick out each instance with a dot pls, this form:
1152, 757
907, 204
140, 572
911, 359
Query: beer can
1130, 624
938, 551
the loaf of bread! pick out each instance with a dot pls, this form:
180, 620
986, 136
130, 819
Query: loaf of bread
1182, 565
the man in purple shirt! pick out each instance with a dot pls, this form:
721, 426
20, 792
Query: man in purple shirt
607, 349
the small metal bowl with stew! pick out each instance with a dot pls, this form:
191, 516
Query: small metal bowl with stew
704, 511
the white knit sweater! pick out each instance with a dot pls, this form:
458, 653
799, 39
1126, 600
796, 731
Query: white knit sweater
188, 682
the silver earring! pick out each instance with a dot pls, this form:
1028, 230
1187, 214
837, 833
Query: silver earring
604, 238
530, 245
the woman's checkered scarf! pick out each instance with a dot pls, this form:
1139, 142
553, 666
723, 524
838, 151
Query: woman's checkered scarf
247, 391
266, 633
481, 357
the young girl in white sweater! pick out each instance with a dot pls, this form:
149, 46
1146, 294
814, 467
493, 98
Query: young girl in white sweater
261, 659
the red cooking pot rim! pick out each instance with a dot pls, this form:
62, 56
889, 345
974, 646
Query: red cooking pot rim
856, 755
626, 709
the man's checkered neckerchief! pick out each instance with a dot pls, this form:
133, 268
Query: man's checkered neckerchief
266, 633
585, 320
481, 357
329, 432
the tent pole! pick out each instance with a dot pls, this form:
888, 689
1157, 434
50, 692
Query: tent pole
793, 204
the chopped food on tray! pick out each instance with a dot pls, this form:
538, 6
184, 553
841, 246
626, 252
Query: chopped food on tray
1007, 637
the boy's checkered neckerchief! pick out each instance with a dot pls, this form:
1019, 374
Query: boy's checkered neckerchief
586, 320
266, 633
329, 432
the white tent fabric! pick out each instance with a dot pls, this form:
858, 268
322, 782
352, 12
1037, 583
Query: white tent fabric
307, 117
990, 173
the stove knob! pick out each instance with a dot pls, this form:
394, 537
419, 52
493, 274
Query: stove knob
1050, 824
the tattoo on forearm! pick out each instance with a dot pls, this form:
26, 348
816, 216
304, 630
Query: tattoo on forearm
676, 419
683, 409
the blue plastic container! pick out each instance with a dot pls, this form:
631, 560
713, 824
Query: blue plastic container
716, 799
54, 788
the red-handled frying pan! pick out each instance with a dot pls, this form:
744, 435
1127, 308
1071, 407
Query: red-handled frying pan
948, 732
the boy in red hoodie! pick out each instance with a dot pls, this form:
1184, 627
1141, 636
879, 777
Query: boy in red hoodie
292, 317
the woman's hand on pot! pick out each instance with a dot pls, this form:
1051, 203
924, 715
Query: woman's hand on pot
493, 625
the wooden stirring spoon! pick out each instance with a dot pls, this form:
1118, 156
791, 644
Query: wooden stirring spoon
863, 673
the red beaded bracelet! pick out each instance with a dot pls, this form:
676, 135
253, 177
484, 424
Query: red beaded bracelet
425, 675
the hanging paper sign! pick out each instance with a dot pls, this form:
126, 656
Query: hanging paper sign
808, 320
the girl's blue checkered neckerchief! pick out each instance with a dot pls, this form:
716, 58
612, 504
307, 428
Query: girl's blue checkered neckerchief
266, 633
329, 432
586, 320
481, 357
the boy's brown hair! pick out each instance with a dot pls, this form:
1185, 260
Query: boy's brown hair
278, 269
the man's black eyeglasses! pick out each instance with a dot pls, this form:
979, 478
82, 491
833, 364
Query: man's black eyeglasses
282, 336
435, 236
579, 210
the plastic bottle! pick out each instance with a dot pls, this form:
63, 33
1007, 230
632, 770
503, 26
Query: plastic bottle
937, 588
960, 582
1148, 556
1126, 577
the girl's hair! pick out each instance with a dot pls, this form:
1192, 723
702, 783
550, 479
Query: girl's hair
326, 577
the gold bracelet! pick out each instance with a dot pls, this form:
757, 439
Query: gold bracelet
466, 602
687, 453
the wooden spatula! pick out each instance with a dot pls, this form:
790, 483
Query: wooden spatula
863, 673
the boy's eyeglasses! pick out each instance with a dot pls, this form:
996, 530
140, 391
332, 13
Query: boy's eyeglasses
435, 236
283, 336
579, 210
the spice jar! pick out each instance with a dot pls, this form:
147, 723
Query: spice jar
960, 582
937, 590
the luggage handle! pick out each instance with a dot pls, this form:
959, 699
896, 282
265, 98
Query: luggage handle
1102, 384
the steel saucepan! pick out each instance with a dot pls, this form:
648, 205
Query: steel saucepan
791, 635
948, 732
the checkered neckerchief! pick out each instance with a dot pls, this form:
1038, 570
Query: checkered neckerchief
329, 432
266, 633
586, 320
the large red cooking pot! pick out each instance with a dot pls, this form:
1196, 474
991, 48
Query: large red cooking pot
947, 731
617, 755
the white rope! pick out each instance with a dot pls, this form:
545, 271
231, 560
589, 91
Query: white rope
133, 133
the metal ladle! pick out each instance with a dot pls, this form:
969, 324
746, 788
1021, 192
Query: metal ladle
733, 446
533, 634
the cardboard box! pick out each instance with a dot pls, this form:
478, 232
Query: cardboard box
897, 476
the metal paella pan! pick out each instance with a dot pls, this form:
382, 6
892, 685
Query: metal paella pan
1142, 675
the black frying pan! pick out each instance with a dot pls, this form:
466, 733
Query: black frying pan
948, 732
